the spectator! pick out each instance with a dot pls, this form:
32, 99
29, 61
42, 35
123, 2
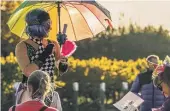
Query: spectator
153, 97
39, 85
162, 81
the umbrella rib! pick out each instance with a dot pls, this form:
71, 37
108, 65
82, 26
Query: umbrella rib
51, 8
83, 18
20, 17
95, 15
71, 23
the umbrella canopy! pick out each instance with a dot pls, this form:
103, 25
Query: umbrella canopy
84, 19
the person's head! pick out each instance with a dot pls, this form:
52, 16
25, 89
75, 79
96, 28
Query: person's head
152, 61
38, 23
39, 84
162, 81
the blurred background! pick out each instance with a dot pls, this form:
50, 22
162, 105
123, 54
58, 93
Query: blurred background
103, 67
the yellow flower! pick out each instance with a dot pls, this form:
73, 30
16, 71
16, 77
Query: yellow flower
128, 69
109, 101
89, 100
60, 84
133, 77
114, 73
3, 61
102, 77
10, 86
86, 72
15, 59
11, 54
8, 59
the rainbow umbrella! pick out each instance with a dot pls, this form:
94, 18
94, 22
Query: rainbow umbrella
84, 19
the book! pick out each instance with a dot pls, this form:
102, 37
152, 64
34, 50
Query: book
130, 102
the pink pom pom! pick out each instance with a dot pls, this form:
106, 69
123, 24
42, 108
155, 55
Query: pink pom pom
68, 48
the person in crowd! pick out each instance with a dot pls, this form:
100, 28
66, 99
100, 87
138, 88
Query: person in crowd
162, 82
38, 86
38, 53
152, 96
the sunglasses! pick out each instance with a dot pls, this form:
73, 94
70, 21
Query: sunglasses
154, 65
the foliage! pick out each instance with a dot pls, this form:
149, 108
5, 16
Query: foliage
9, 6
9, 40
126, 43
89, 73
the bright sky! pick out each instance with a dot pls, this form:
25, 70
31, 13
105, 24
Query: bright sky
142, 12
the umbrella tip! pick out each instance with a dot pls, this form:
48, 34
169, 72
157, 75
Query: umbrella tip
109, 23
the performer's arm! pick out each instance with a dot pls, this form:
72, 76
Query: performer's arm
61, 62
23, 60
57, 51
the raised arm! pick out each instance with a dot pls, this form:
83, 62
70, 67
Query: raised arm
61, 62
57, 50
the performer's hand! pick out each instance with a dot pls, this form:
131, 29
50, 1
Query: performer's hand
64, 59
61, 38
63, 65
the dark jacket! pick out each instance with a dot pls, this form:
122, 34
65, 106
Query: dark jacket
153, 97
166, 105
